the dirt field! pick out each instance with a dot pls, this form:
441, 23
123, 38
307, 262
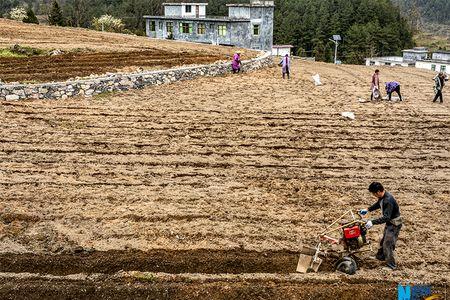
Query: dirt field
68, 38
88, 52
71, 65
213, 185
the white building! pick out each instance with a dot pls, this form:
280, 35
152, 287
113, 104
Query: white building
417, 57
388, 61
439, 62
281, 50
415, 54
407, 60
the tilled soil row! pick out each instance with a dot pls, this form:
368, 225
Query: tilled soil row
110, 288
168, 261
65, 66
234, 162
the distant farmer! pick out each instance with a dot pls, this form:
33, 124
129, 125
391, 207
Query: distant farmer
285, 64
393, 86
236, 63
375, 86
439, 82
392, 220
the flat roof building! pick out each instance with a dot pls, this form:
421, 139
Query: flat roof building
418, 57
247, 25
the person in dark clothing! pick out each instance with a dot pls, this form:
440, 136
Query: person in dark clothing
439, 82
392, 220
391, 87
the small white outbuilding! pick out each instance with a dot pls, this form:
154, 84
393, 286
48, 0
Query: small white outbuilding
281, 50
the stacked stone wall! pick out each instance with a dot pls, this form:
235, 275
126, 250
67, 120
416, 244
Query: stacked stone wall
122, 82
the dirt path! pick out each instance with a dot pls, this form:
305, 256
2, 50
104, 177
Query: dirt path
235, 163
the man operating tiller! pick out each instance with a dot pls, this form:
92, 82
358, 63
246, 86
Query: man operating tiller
392, 220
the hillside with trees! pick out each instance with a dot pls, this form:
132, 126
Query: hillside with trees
368, 27
426, 11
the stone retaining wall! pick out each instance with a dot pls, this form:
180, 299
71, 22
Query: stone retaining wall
121, 82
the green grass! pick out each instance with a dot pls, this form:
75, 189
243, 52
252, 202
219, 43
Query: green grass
9, 53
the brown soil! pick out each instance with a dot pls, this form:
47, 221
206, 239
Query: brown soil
70, 65
236, 164
69, 38
106, 288
176, 261
89, 52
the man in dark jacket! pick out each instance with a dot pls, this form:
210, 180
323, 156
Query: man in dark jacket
439, 82
392, 220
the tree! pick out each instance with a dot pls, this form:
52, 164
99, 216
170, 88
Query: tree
108, 23
77, 13
18, 13
31, 17
55, 17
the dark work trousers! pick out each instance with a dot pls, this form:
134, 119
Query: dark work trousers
387, 245
397, 89
438, 95
286, 73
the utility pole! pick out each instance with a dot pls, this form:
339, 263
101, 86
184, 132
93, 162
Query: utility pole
335, 40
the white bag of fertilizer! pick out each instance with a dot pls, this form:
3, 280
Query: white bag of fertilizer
317, 79
348, 114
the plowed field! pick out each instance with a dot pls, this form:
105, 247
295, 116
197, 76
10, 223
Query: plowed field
89, 52
70, 65
213, 185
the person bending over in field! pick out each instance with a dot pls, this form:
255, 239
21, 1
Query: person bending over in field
393, 86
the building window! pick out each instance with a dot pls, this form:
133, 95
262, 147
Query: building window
152, 25
201, 28
255, 29
433, 67
222, 29
186, 27
169, 27
188, 8
443, 68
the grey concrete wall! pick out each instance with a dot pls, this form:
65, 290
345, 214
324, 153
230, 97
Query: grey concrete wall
265, 39
122, 82
175, 10
241, 36
239, 12
238, 33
